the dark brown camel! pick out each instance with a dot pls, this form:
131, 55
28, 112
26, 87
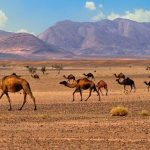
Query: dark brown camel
127, 82
102, 84
120, 75
82, 84
148, 84
89, 75
43, 69
15, 84
35, 76
69, 77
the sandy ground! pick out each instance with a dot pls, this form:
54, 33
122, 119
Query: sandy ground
60, 123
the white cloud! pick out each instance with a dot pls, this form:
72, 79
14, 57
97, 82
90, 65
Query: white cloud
99, 16
139, 15
90, 5
3, 18
24, 31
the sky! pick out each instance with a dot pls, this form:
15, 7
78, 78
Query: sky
35, 16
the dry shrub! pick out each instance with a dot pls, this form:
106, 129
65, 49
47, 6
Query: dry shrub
144, 113
119, 111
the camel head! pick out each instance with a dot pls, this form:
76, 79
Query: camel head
63, 83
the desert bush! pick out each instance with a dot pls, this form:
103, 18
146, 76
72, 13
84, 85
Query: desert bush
119, 111
144, 113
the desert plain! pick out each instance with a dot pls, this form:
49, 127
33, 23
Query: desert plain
61, 124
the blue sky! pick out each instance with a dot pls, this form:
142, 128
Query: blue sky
35, 16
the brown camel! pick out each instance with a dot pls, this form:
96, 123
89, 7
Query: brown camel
69, 77
14, 84
120, 75
35, 76
82, 84
148, 84
102, 84
89, 75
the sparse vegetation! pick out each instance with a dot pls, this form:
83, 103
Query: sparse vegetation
119, 111
144, 113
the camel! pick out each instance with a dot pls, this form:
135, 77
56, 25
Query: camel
148, 84
127, 82
102, 84
82, 84
15, 84
89, 75
69, 77
43, 69
35, 76
120, 75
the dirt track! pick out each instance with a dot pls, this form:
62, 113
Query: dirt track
60, 123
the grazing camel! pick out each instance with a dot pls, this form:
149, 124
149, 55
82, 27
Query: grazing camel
69, 77
15, 84
16, 75
148, 84
102, 84
120, 75
82, 84
35, 76
89, 75
127, 82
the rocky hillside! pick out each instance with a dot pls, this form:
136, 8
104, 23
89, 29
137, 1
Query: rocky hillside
120, 37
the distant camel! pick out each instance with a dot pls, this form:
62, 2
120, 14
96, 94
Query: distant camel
69, 77
43, 69
148, 84
102, 84
35, 76
120, 75
89, 75
82, 84
127, 82
14, 84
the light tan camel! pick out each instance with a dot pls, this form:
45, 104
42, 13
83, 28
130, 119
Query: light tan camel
14, 84
82, 84
102, 84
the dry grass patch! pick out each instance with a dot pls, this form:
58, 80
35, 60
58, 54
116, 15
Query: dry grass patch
119, 111
144, 113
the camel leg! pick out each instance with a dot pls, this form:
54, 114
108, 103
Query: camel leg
148, 88
1, 95
134, 87
98, 94
101, 91
33, 98
10, 108
106, 91
89, 94
80, 93
131, 88
25, 96
74, 93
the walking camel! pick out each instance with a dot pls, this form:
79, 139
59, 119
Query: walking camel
82, 84
120, 75
102, 84
148, 84
69, 77
89, 75
127, 82
15, 84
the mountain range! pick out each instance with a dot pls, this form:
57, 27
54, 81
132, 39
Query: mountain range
69, 39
